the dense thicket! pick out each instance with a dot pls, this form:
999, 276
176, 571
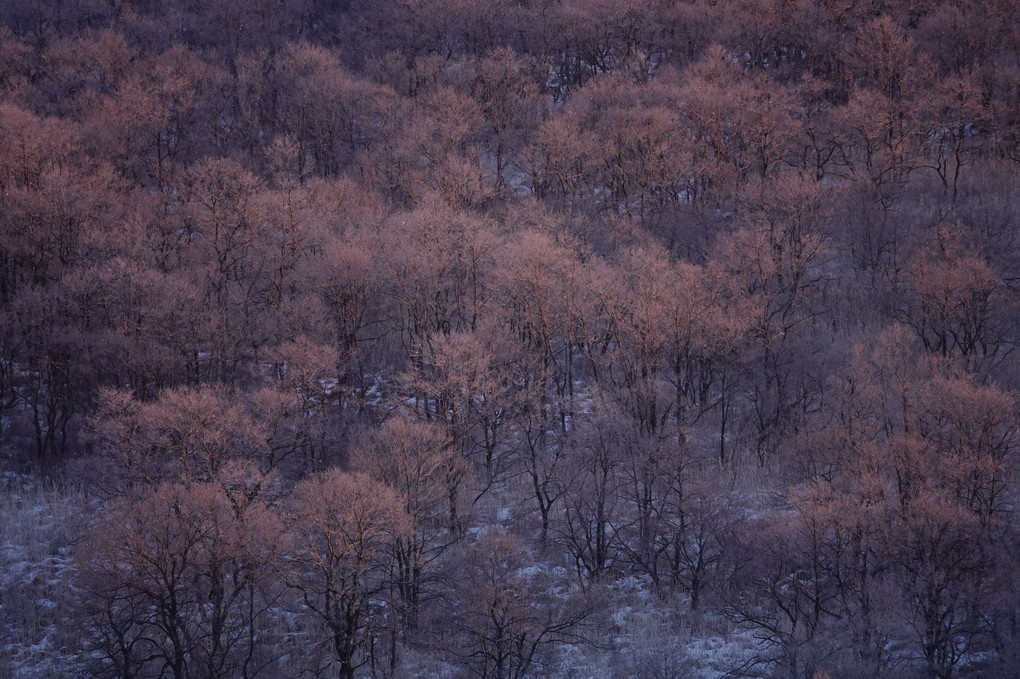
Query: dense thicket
509, 339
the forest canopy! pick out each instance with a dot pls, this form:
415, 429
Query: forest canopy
509, 338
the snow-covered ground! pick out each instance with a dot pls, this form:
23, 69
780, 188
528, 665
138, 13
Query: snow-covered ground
37, 531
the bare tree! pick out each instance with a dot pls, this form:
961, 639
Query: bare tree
175, 582
186, 434
504, 618
344, 529
417, 461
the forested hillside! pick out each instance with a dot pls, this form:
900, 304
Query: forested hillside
509, 339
